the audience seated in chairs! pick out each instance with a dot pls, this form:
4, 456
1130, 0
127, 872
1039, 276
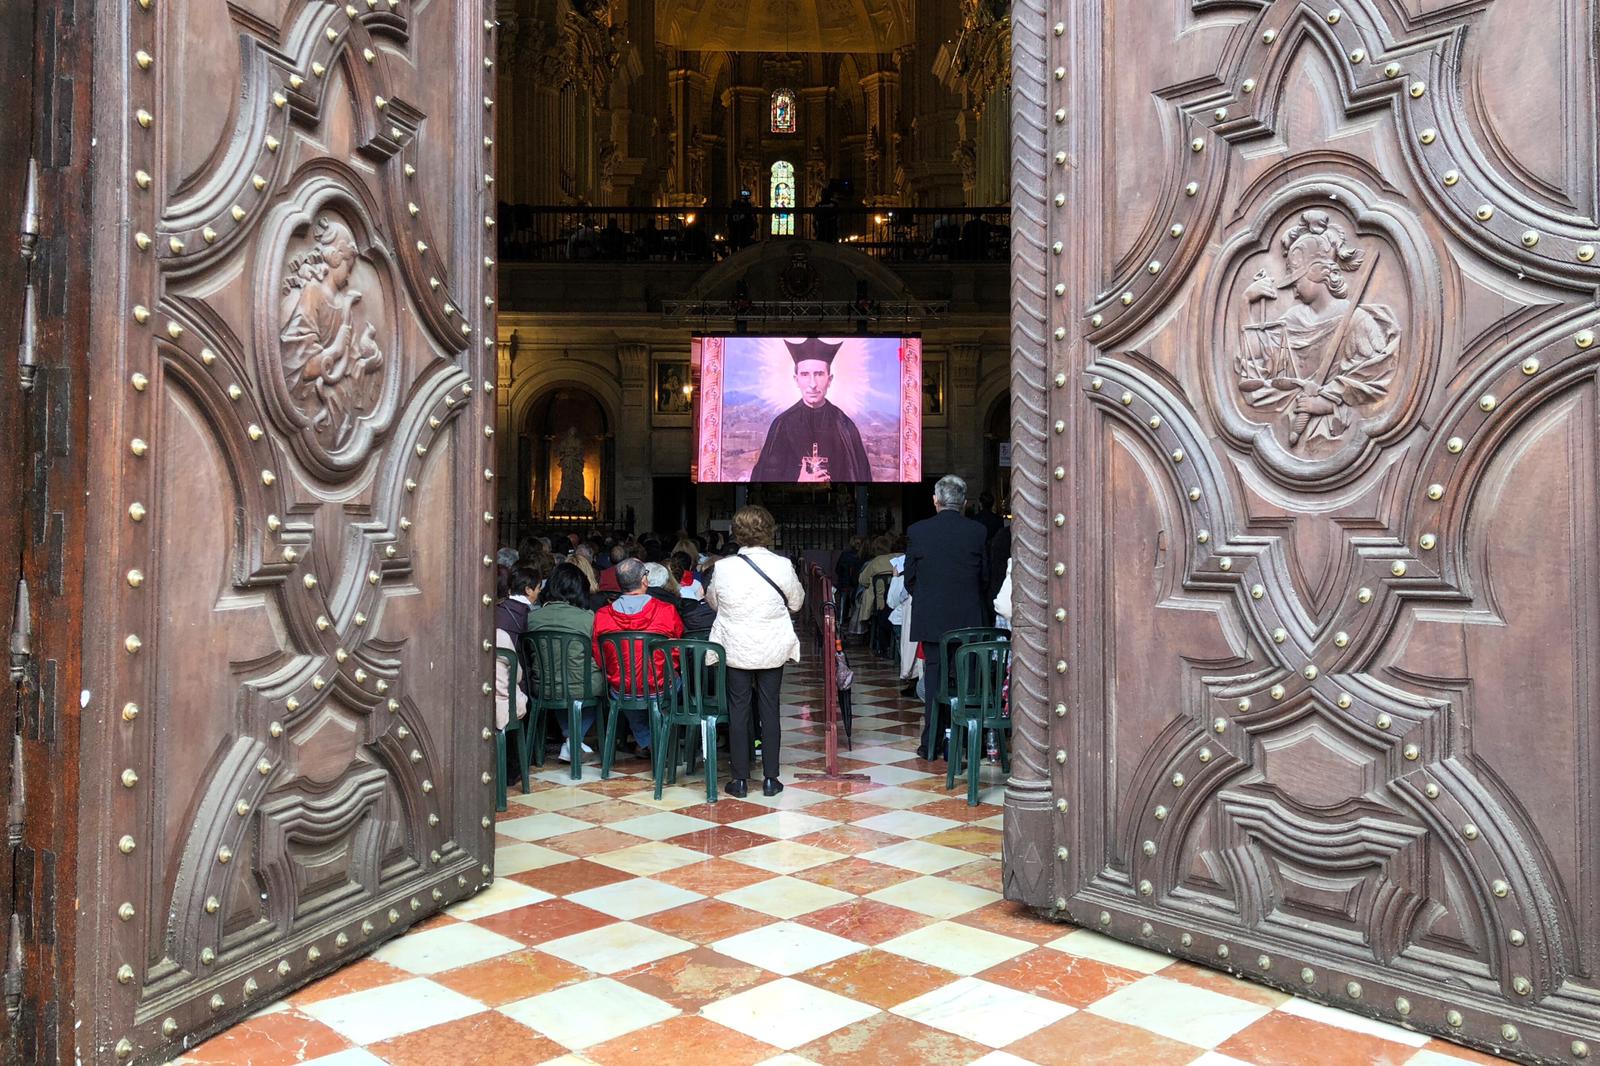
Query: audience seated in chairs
635, 610
564, 607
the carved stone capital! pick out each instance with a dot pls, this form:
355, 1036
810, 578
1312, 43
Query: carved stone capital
634, 361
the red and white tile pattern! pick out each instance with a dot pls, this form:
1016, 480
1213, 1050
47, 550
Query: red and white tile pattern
837, 924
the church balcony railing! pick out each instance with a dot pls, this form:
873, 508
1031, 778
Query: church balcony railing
531, 233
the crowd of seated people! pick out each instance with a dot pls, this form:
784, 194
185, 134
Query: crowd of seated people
898, 593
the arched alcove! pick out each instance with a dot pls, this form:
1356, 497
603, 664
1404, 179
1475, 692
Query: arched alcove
997, 451
566, 457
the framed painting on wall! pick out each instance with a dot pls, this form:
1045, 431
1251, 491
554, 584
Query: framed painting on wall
672, 393
933, 395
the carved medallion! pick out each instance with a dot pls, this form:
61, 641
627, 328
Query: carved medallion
326, 344
1320, 342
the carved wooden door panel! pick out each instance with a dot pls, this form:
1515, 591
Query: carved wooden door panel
1306, 405
286, 739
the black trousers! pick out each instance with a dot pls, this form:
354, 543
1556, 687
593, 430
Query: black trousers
752, 692
934, 717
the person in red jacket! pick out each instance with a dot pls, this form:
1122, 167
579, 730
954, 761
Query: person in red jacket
635, 610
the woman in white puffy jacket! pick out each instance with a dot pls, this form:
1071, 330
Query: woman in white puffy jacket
754, 594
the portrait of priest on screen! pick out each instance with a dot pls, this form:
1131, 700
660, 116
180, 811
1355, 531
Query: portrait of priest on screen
813, 441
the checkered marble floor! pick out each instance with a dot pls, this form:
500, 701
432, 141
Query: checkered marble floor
856, 922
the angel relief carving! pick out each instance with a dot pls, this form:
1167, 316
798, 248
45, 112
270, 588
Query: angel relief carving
1319, 355
332, 361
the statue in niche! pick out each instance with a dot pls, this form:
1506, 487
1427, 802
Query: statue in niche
1320, 359
330, 349
570, 499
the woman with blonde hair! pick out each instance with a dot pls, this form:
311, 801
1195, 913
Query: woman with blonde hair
754, 594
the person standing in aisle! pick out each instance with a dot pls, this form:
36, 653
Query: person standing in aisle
754, 595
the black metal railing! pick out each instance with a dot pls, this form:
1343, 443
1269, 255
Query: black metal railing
532, 233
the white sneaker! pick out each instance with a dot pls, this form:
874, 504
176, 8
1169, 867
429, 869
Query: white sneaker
566, 751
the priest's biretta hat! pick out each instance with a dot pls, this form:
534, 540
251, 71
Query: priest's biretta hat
813, 348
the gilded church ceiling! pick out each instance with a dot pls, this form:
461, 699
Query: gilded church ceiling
784, 25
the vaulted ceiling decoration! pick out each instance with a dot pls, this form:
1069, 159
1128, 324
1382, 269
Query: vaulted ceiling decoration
784, 25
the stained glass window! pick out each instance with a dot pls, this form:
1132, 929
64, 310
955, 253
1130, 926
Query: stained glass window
783, 116
782, 197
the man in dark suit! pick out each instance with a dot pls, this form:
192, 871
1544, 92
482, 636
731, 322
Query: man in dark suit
948, 554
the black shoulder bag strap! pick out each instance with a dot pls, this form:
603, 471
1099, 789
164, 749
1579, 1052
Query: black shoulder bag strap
768, 580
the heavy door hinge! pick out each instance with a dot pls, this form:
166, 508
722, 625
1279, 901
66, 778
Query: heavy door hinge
17, 810
27, 353
13, 977
21, 634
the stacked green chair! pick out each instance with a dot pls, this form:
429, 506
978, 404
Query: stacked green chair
948, 644
631, 650
517, 728
555, 692
978, 705
695, 701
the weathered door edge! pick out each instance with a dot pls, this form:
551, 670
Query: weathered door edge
47, 60
1031, 868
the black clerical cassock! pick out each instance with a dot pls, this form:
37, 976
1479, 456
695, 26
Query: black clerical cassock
803, 431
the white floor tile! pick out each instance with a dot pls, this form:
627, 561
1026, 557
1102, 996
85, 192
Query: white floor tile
673, 797
647, 860
659, 825
634, 898
445, 947
960, 949
520, 858
350, 1056
540, 826
590, 1013
790, 799
787, 1013
907, 824
614, 948
881, 754
1000, 1058
897, 798
783, 856
501, 896
784, 825
985, 1012
921, 857
935, 897
1087, 944
894, 775
1316, 1012
556, 799
786, 948
1179, 1011
785, 897
391, 1010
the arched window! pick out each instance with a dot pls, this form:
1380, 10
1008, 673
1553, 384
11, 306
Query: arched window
783, 116
782, 197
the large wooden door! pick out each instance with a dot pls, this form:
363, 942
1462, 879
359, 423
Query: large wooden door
286, 738
1307, 417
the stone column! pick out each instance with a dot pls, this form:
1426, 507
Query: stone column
633, 432
962, 416
883, 136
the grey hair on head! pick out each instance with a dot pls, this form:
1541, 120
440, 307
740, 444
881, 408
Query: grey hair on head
950, 492
630, 575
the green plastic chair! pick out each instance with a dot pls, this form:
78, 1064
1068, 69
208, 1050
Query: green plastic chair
628, 647
550, 650
978, 705
695, 700
517, 728
948, 644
